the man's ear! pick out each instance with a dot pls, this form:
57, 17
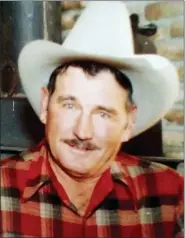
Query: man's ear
131, 122
44, 104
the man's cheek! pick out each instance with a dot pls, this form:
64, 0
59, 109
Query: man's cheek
107, 133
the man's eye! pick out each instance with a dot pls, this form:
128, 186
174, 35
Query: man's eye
68, 105
104, 115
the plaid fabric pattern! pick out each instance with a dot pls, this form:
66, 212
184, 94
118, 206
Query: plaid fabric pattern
135, 198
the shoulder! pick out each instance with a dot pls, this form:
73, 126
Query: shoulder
14, 162
144, 169
13, 172
10, 160
23, 159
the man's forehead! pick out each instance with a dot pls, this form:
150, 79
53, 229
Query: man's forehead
74, 81
73, 73
91, 97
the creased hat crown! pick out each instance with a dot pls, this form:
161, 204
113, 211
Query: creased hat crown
104, 28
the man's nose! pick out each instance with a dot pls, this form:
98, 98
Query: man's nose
83, 128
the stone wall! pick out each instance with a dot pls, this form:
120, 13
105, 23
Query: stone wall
168, 15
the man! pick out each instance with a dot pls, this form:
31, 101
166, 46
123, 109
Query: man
93, 94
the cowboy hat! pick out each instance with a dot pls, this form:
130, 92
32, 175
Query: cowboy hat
103, 33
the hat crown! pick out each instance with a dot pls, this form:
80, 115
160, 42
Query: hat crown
103, 29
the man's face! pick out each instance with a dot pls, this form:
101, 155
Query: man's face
86, 120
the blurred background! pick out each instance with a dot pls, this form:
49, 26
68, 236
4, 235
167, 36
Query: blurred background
158, 27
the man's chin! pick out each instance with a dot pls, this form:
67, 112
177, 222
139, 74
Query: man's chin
78, 163
79, 173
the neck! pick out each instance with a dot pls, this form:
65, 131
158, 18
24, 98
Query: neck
79, 191
63, 175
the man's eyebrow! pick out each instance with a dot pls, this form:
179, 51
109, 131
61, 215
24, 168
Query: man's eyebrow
64, 98
107, 109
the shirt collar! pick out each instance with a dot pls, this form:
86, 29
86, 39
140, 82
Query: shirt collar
120, 167
39, 173
122, 171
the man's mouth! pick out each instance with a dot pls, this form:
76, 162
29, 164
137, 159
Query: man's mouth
80, 149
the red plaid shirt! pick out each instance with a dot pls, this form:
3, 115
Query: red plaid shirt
133, 199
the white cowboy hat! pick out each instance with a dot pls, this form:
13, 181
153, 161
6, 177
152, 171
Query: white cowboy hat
103, 33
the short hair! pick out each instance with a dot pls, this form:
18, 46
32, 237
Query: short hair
92, 68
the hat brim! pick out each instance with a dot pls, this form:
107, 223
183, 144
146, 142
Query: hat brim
154, 78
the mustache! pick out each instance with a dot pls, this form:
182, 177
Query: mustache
83, 145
